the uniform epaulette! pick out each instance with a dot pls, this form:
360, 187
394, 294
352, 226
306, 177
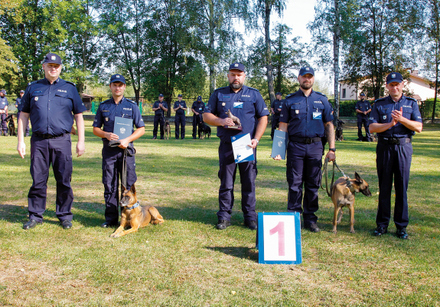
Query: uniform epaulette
70, 83
130, 101
410, 98
380, 99
287, 96
30, 83
319, 93
251, 88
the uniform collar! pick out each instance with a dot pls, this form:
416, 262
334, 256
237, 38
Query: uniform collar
232, 91
55, 82
113, 100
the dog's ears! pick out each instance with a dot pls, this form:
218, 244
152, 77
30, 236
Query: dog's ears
132, 188
358, 178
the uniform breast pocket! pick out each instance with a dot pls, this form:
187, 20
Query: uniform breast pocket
127, 114
63, 99
384, 116
297, 111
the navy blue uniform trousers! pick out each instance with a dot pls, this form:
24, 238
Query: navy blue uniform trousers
227, 172
363, 121
304, 162
275, 124
180, 121
112, 159
393, 161
58, 152
159, 119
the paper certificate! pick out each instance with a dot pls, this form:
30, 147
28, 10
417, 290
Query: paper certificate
123, 127
279, 144
242, 152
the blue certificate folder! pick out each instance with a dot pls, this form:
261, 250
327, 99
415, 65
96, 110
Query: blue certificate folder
123, 127
242, 152
279, 144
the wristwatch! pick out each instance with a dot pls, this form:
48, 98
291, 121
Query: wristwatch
332, 149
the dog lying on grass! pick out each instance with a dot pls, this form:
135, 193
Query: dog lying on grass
134, 215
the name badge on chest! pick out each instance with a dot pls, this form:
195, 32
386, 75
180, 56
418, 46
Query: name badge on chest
317, 115
238, 105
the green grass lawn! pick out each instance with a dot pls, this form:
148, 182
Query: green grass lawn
187, 262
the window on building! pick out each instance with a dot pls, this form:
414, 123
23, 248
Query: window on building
344, 93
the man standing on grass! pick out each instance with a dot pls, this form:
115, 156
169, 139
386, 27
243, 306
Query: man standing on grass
159, 108
395, 119
51, 104
3, 112
363, 107
306, 117
180, 119
247, 104
113, 156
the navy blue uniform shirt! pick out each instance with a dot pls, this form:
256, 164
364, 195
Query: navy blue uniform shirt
198, 106
108, 110
277, 104
18, 103
51, 105
3, 103
362, 106
160, 111
306, 115
381, 114
247, 104
182, 104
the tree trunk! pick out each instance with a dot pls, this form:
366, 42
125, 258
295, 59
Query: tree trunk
269, 69
336, 44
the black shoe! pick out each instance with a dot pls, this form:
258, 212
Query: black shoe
312, 227
401, 233
66, 224
108, 225
222, 224
154, 137
31, 224
252, 225
194, 138
380, 231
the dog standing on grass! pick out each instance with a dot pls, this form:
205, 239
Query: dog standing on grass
339, 134
204, 130
134, 215
343, 191
167, 129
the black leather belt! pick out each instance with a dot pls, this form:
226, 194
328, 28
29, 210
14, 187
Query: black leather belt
47, 136
304, 140
394, 140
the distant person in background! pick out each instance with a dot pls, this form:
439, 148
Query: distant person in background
159, 108
363, 108
18, 106
51, 104
395, 119
113, 156
275, 109
180, 119
3, 112
198, 108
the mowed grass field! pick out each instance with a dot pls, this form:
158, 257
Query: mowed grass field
187, 262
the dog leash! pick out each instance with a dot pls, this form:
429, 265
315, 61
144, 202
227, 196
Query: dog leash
325, 173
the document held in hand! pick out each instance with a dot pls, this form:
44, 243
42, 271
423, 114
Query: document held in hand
242, 152
279, 144
123, 127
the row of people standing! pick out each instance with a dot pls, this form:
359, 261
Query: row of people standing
306, 117
160, 107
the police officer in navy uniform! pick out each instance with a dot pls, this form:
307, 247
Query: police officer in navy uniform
363, 108
159, 108
247, 104
306, 117
198, 107
3, 112
51, 104
180, 119
18, 106
113, 157
395, 119
275, 109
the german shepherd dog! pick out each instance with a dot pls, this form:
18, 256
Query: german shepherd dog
134, 215
343, 191
339, 132
11, 125
167, 129
204, 130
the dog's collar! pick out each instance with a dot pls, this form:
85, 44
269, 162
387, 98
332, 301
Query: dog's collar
134, 206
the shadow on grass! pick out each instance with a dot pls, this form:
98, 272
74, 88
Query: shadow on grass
238, 252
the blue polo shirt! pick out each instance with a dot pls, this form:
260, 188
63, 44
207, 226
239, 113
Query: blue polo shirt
306, 115
108, 110
381, 114
3, 103
51, 106
247, 104
159, 112
182, 104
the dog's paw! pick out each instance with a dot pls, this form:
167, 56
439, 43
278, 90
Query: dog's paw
114, 235
352, 231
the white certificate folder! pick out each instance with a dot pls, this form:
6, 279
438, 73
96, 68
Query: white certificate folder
279, 144
123, 127
242, 152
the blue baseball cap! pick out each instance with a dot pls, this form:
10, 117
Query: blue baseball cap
21, 91
117, 78
160, 95
278, 94
52, 58
199, 98
362, 94
394, 77
180, 95
237, 66
306, 70
3, 92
